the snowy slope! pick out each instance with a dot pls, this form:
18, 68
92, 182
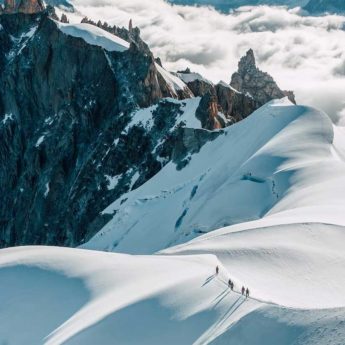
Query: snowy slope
294, 265
70, 296
283, 164
94, 35
59, 295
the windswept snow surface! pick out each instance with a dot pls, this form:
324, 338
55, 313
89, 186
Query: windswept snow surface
57, 296
294, 265
282, 164
93, 35
70, 296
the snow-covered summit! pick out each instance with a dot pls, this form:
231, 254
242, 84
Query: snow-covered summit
94, 35
192, 76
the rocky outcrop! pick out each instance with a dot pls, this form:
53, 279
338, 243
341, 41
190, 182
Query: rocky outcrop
195, 82
23, 6
208, 112
188, 141
224, 104
235, 105
255, 83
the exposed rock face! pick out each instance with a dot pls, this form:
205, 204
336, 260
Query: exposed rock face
23, 6
222, 106
234, 105
208, 112
64, 18
259, 85
195, 82
250, 89
65, 108
188, 141
200, 87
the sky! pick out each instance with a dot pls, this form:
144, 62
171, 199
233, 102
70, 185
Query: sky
305, 54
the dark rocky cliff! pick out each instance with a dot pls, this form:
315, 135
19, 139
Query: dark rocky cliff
63, 105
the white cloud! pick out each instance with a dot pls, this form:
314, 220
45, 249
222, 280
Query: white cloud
305, 54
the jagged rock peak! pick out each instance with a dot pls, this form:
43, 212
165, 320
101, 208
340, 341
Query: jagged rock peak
247, 62
23, 6
257, 84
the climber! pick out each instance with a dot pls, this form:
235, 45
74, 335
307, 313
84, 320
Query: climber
229, 283
217, 270
247, 293
243, 290
232, 286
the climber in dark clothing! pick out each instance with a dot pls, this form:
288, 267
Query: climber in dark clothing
243, 290
231, 284
217, 270
247, 293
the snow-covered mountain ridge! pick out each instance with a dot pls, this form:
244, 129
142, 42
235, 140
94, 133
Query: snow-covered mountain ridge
166, 164
276, 164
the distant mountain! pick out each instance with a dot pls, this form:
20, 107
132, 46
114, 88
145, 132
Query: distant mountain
226, 5
323, 6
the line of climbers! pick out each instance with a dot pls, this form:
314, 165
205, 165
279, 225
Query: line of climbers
244, 291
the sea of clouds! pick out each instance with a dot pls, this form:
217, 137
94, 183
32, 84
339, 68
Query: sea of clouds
303, 53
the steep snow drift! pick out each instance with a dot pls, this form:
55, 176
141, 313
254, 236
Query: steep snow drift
295, 265
93, 35
283, 163
59, 296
